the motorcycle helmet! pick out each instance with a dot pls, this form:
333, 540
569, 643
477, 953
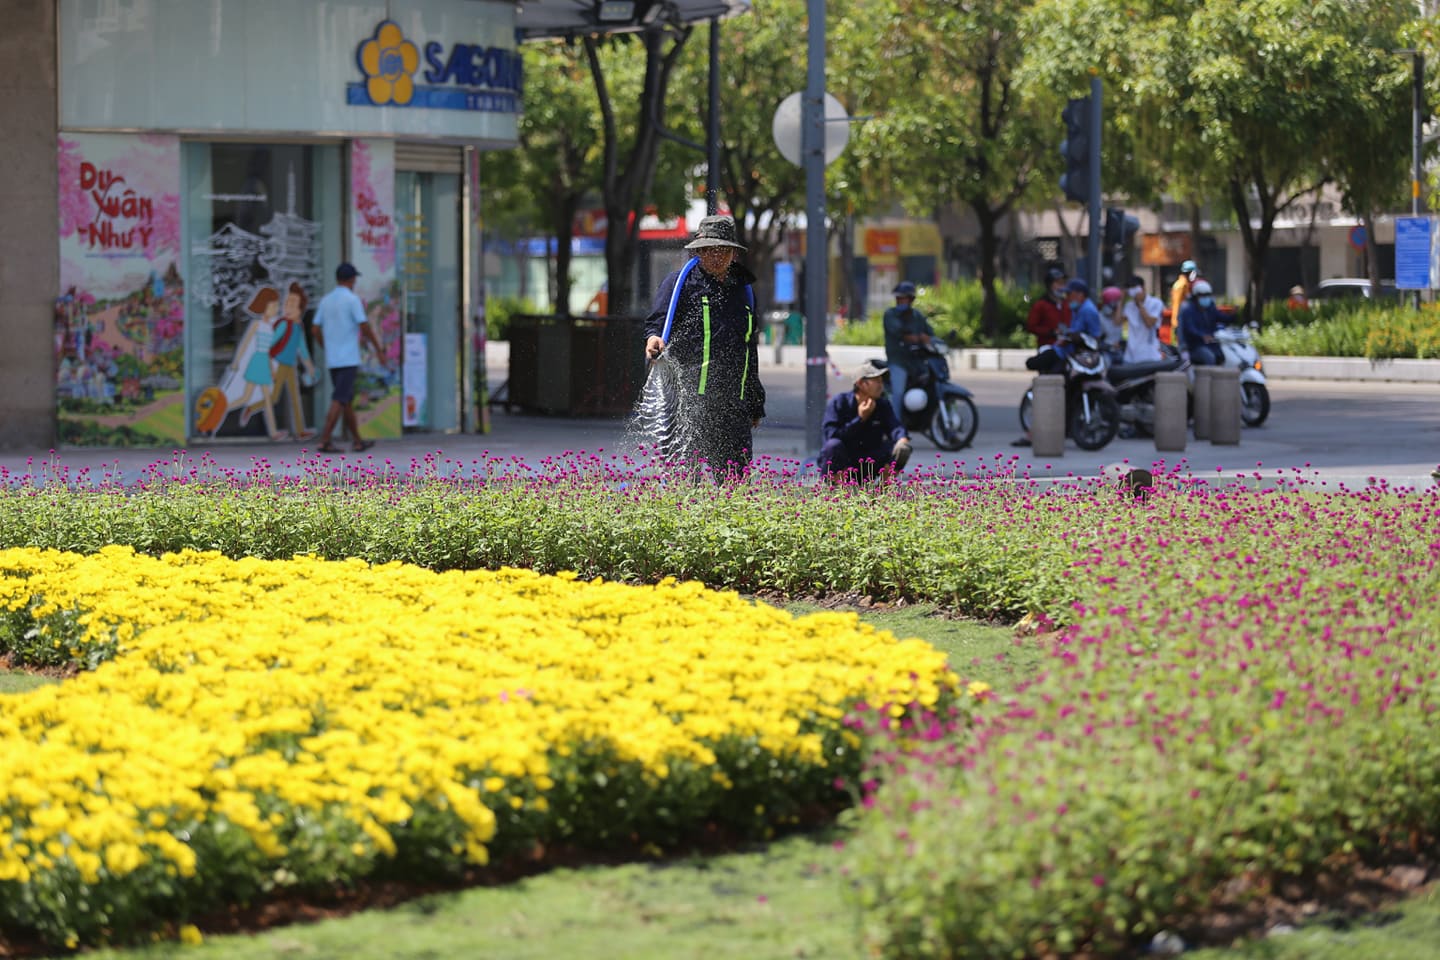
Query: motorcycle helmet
1111, 296
904, 289
915, 400
1201, 288
1053, 274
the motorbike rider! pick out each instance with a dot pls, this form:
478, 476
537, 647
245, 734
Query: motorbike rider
1179, 294
1084, 317
903, 325
1142, 322
862, 436
1199, 319
1049, 313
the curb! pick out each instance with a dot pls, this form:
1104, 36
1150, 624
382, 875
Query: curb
1277, 368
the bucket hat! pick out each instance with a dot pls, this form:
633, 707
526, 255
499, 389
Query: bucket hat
714, 232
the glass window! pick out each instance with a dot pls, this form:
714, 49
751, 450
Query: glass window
263, 223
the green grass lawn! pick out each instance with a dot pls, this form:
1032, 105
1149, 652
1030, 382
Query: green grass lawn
1409, 930
11, 682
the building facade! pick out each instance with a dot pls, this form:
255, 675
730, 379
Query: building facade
192, 176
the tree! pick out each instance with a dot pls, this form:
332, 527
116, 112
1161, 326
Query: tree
1279, 81
1369, 152
759, 67
953, 125
547, 178
628, 172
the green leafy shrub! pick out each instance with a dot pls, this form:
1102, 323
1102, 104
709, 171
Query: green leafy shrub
954, 310
499, 310
1377, 331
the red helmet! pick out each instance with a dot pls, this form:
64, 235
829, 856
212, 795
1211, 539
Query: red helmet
1111, 295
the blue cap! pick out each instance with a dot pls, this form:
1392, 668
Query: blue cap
904, 289
346, 271
1078, 286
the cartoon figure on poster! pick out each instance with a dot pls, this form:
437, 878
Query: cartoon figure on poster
289, 351
246, 384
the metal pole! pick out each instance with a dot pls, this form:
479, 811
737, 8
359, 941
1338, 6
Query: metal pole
1092, 249
712, 135
1418, 120
817, 286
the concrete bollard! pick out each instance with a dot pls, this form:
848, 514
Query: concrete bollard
1172, 398
1047, 416
1225, 406
1202, 402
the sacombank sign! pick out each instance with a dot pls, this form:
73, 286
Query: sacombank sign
470, 77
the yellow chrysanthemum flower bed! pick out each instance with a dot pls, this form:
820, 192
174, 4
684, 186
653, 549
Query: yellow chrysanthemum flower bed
266, 724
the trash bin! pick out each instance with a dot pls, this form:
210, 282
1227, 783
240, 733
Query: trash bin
576, 366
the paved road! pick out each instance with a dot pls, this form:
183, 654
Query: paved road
1346, 432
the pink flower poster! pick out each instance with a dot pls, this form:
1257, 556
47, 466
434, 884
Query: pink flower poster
120, 315
372, 245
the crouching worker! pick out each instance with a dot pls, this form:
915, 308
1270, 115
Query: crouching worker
862, 436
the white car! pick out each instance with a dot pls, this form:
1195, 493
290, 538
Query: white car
1352, 288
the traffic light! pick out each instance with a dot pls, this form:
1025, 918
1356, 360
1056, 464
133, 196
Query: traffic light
1075, 181
1119, 233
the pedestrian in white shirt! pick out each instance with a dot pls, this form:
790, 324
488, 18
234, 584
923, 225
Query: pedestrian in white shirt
1142, 323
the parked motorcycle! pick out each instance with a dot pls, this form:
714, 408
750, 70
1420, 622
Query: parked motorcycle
1240, 352
933, 405
1134, 385
1092, 415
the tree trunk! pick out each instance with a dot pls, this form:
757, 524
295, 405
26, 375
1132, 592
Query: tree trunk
564, 226
1372, 253
1195, 231
989, 249
1257, 244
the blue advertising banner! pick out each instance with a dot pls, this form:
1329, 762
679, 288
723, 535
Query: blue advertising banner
1412, 253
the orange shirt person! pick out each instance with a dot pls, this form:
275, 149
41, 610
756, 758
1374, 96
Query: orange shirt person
1179, 293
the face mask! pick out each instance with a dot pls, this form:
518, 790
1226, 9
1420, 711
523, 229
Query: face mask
1207, 301
1136, 291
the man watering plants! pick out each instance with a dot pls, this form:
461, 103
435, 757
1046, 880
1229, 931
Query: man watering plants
703, 322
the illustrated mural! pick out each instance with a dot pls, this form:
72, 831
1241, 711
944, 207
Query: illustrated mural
120, 315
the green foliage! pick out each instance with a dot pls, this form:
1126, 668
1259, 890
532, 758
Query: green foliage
954, 311
762, 535
1210, 725
499, 310
1361, 329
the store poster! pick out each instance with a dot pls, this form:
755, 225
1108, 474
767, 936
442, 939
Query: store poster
372, 245
413, 413
120, 313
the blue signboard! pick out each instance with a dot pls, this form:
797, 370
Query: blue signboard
1412, 253
469, 77
784, 282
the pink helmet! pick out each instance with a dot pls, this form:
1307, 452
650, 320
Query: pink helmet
1111, 295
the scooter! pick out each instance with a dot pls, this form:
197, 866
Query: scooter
1092, 415
1135, 391
1239, 351
933, 405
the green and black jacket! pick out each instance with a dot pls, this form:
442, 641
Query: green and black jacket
714, 335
